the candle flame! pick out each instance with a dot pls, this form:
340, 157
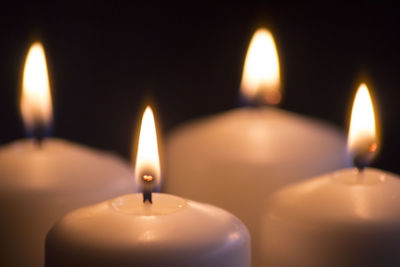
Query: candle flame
147, 170
362, 140
35, 105
147, 177
261, 75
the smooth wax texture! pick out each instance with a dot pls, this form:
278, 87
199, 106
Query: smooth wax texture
170, 232
238, 158
345, 219
38, 185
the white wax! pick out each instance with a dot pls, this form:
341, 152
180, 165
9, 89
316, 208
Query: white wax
40, 184
345, 219
171, 232
236, 159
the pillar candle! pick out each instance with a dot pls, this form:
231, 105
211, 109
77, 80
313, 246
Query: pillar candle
42, 180
170, 232
148, 229
237, 158
346, 218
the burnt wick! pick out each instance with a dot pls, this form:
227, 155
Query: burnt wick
147, 196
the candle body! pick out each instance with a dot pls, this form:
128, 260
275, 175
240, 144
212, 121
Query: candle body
236, 159
342, 219
40, 184
127, 232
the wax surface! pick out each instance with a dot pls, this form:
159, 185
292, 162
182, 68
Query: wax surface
238, 158
345, 218
170, 232
38, 185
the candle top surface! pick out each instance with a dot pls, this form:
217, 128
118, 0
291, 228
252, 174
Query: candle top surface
163, 204
176, 224
256, 136
345, 196
57, 166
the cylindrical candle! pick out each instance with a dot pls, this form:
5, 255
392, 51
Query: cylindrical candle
170, 232
346, 218
38, 185
237, 158
42, 179
148, 229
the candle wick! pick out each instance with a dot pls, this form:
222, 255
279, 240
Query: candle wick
148, 180
360, 169
360, 162
363, 157
39, 131
38, 134
39, 143
252, 104
147, 196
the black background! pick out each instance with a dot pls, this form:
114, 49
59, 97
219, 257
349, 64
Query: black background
105, 59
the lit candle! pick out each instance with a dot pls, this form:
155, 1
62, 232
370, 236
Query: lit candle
148, 229
251, 152
42, 180
346, 218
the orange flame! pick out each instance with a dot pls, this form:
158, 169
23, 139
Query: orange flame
147, 177
261, 75
35, 105
147, 158
362, 139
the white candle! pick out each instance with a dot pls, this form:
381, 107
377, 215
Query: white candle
345, 218
170, 232
40, 183
148, 229
237, 158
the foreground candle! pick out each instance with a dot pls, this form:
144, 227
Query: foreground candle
236, 159
41, 180
169, 232
347, 218
148, 229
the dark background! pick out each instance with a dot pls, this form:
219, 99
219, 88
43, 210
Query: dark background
105, 59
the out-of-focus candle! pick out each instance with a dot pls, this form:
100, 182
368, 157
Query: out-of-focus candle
237, 158
346, 218
148, 229
41, 182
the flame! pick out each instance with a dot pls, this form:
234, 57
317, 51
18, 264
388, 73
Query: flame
147, 177
35, 105
147, 159
362, 140
261, 76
